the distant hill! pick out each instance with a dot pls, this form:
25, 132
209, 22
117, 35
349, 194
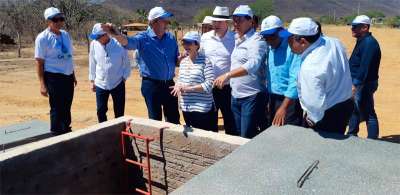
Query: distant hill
184, 10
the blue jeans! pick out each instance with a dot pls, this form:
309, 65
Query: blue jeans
364, 110
250, 114
158, 98
60, 88
118, 97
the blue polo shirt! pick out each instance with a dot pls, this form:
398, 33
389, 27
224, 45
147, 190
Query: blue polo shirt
157, 57
282, 69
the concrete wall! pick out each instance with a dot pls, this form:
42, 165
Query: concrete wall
179, 153
90, 160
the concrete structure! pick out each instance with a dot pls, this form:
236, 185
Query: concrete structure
294, 160
286, 160
90, 160
22, 133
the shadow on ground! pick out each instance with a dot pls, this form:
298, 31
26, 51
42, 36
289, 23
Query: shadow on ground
391, 138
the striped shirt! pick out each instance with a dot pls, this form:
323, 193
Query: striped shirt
194, 73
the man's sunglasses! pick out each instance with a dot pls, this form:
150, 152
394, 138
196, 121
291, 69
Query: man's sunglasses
187, 42
58, 19
271, 36
238, 19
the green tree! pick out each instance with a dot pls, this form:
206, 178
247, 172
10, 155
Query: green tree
393, 21
142, 15
262, 8
198, 18
348, 19
375, 14
326, 20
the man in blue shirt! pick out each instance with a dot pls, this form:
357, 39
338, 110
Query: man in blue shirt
364, 66
55, 68
282, 70
158, 53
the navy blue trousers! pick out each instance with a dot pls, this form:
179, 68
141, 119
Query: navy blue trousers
158, 98
60, 88
118, 97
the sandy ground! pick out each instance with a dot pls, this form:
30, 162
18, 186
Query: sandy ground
20, 99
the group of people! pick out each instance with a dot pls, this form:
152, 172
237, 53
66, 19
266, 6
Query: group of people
277, 76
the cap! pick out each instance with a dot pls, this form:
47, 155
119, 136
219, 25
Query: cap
50, 12
158, 12
97, 31
243, 10
192, 36
271, 24
362, 19
303, 26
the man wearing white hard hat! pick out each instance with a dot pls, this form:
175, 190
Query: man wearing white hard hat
282, 69
194, 86
158, 53
218, 45
324, 81
364, 67
109, 67
247, 75
55, 69
206, 25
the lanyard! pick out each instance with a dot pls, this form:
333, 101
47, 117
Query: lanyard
64, 50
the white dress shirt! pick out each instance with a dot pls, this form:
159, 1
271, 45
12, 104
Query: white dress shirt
218, 51
249, 53
324, 79
56, 51
108, 64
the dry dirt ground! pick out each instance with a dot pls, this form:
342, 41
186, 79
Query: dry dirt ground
20, 99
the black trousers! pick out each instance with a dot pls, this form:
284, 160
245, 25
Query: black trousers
222, 99
336, 118
118, 97
294, 114
60, 88
158, 98
202, 120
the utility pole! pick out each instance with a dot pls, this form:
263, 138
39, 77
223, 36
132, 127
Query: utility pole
334, 16
358, 9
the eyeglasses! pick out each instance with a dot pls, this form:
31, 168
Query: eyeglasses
185, 42
356, 26
271, 36
99, 36
58, 19
238, 19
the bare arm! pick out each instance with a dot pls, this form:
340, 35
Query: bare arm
280, 115
112, 31
40, 73
238, 72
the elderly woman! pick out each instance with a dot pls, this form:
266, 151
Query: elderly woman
194, 86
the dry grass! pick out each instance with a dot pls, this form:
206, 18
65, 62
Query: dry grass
20, 98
